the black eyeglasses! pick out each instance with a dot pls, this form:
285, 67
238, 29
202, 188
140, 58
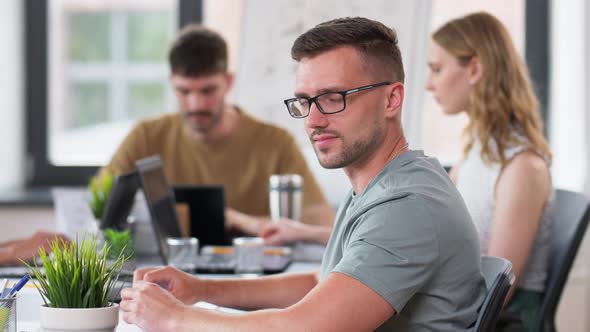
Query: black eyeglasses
327, 103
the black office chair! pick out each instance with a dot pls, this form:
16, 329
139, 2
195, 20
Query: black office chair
499, 277
572, 213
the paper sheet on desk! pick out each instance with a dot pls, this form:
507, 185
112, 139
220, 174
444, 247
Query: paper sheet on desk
71, 210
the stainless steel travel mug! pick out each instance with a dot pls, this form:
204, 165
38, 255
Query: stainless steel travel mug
286, 196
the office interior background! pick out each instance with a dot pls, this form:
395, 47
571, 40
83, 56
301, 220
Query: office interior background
77, 74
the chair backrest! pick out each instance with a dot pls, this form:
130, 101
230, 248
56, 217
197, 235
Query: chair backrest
498, 276
572, 213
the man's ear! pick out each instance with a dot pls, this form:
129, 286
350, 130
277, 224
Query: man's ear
230, 78
475, 70
395, 99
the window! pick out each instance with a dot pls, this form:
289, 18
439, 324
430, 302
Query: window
93, 68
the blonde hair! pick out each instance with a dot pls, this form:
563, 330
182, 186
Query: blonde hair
503, 100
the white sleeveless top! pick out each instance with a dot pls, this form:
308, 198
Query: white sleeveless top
476, 182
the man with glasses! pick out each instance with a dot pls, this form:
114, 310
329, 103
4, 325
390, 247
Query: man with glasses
403, 255
211, 142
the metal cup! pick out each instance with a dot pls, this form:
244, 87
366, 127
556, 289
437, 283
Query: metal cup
249, 253
182, 252
286, 196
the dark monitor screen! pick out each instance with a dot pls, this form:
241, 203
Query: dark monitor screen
120, 201
206, 212
160, 200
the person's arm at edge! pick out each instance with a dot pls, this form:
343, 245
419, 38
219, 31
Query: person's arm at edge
13, 251
7, 255
521, 194
337, 296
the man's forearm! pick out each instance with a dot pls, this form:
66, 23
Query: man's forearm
278, 291
245, 223
207, 320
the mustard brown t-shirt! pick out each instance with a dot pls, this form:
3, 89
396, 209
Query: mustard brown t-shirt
242, 162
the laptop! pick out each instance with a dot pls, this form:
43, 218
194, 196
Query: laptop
160, 201
120, 202
207, 224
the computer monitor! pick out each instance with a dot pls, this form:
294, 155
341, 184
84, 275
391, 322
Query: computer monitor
160, 200
206, 205
120, 201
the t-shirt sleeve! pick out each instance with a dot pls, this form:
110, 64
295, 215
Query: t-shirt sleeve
133, 148
393, 250
294, 162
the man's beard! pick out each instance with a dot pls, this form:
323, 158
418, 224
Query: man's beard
213, 118
351, 152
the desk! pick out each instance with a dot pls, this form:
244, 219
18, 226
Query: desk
29, 301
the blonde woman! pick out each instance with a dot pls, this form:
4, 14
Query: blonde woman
504, 173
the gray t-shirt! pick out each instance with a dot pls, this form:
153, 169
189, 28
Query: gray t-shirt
408, 236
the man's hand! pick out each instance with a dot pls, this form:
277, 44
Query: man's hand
151, 307
282, 232
181, 285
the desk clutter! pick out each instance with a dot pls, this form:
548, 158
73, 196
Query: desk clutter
222, 259
8, 303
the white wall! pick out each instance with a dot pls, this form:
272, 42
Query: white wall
570, 120
568, 88
587, 105
11, 92
266, 72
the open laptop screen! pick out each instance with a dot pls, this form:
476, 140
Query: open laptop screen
160, 200
120, 201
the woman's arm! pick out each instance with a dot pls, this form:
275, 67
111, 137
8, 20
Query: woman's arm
522, 191
454, 173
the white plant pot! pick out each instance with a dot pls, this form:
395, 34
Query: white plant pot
89, 320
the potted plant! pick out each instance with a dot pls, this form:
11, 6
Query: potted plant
76, 286
100, 189
121, 244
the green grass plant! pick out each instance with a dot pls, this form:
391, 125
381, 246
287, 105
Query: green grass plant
77, 275
120, 243
100, 189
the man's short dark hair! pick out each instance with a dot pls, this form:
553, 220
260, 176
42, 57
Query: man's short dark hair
376, 42
198, 51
